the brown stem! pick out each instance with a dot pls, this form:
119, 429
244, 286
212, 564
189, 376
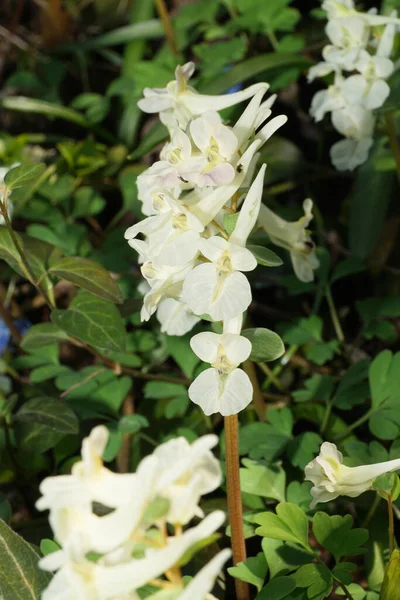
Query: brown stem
169, 32
124, 455
235, 500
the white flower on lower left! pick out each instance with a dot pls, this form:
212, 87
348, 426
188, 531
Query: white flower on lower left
112, 527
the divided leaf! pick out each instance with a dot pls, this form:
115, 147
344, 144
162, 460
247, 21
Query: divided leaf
336, 535
290, 524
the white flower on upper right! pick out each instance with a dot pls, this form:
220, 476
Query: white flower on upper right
224, 388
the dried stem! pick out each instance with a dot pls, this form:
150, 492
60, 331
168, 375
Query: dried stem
235, 500
169, 32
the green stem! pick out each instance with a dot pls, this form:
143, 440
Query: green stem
235, 500
270, 376
394, 144
327, 414
372, 510
282, 364
391, 524
353, 426
334, 316
25, 264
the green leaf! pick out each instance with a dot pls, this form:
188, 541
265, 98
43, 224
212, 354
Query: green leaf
318, 387
162, 389
317, 579
48, 547
132, 423
251, 67
253, 570
41, 335
260, 480
94, 321
357, 592
265, 256
303, 448
290, 524
88, 275
387, 484
23, 175
266, 344
180, 350
46, 372
20, 576
277, 589
391, 581
283, 557
55, 414
336, 535
230, 222
304, 330
5, 509
138, 31
384, 378
369, 202
348, 266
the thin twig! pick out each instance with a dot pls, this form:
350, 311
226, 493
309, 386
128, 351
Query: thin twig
169, 32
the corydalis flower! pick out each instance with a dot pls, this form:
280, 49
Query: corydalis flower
177, 103
294, 237
224, 388
331, 478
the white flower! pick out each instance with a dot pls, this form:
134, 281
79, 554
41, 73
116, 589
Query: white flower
218, 144
81, 579
369, 88
348, 154
219, 288
90, 480
166, 282
353, 121
348, 35
178, 103
175, 318
224, 388
185, 473
294, 237
328, 100
331, 478
172, 238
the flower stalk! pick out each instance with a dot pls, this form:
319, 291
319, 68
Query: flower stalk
235, 500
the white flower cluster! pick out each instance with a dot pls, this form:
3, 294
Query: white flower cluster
191, 264
331, 478
361, 64
113, 527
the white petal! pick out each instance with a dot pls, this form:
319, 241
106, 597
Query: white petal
200, 132
237, 348
242, 259
233, 299
237, 394
174, 317
200, 103
249, 212
204, 580
204, 391
213, 247
205, 346
245, 125
155, 103
377, 94
269, 129
221, 175
179, 249
198, 288
349, 154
